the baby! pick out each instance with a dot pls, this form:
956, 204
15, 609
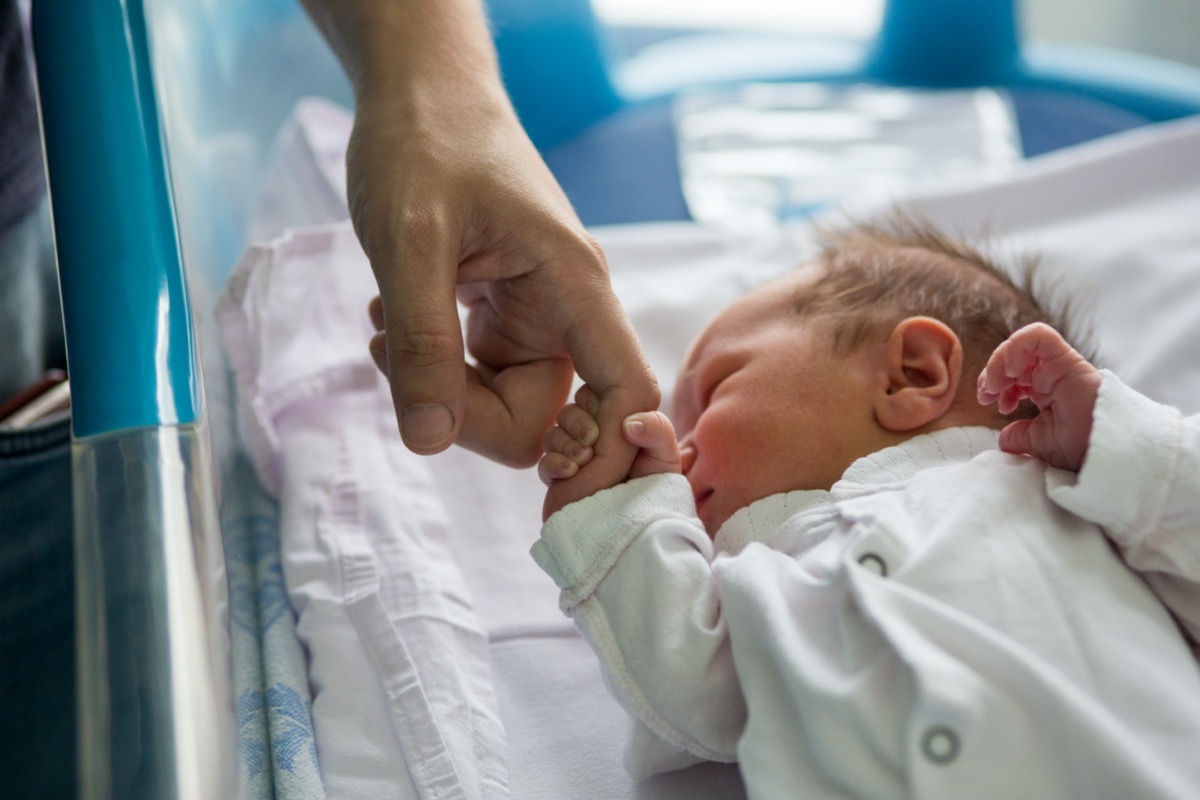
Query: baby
827, 569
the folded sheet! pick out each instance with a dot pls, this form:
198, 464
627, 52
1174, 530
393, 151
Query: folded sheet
403, 703
438, 658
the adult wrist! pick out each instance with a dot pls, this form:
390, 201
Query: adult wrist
396, 47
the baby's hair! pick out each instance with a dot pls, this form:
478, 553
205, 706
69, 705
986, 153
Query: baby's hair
880, 272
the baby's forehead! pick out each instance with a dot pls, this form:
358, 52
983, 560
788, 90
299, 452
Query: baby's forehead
783, 290
769, 301
774, 298
805, 274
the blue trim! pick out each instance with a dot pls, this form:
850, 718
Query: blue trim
555, 63
1152, 88
130, 345
945, 43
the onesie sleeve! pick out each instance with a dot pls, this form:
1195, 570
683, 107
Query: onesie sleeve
1141, 482
634, 565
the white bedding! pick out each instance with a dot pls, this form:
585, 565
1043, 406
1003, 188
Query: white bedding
440, 664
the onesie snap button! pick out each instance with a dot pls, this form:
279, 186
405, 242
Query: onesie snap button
874, 563
940, 744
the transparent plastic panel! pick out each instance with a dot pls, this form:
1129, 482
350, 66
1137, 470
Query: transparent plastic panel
753, 156
155, 716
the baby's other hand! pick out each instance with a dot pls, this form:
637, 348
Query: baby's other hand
1038, 364
565, 469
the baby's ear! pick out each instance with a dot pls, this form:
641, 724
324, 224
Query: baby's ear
920, 372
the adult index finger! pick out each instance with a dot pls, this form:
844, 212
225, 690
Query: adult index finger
610, 360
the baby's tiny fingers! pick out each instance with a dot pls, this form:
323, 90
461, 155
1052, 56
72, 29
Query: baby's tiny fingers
653, 433
983, 394
375, 312
649, 429
1011, 397
1015, 437
995, 379
579, 424
556, 467
557, 440
587, 399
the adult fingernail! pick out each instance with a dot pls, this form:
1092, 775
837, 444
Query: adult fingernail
426, 426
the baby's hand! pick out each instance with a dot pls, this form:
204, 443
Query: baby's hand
1037, 363
564, 467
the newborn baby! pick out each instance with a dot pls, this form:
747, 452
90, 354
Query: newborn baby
838, 565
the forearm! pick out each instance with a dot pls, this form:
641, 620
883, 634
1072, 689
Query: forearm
634, 565
416, 50
429, 106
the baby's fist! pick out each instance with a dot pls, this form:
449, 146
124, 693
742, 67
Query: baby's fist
568, 466
1036, 363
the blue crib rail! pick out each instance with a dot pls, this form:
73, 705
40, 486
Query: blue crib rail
151, 719
132, 355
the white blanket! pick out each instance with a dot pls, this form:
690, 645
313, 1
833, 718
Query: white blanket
440, 664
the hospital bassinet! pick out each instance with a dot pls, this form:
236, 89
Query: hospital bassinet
158, 116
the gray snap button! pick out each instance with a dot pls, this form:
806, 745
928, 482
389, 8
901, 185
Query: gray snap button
940, 744
874, 563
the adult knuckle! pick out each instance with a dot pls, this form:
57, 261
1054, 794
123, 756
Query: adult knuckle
591, 260
396, 227
516, 451
522, 457
419, 347
594, 249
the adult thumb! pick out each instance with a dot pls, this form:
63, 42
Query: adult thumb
424, 353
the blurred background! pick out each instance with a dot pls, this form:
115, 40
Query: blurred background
1165, 28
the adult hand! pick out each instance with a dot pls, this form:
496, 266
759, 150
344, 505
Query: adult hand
451, 200
455, 202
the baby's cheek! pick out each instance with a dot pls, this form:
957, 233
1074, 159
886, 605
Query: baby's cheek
730, 450
751, 460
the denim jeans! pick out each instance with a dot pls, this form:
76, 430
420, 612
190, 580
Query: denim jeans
37, 614
37, 597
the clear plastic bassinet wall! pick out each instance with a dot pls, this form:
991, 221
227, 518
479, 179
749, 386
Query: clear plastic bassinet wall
153, 701
157, 119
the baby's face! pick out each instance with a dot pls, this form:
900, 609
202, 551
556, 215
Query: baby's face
764, 405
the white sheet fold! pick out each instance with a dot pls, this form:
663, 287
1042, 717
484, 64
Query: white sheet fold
403, 699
